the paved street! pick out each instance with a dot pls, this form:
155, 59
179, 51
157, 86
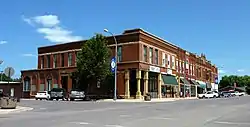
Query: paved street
230, 112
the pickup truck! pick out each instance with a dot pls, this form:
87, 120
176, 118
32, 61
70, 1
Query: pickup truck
237, 93
209, 94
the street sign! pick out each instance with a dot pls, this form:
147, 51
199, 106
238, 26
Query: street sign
216, 80
9, 71
113, 64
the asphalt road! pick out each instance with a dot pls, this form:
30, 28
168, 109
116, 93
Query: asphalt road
230, 112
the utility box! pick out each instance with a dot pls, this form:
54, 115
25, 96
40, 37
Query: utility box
8, 103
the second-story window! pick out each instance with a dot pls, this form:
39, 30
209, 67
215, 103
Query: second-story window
48, 61
42, 62
62, 60
70, 59
151, 55
77, 54
54, 61
145, 54
173, 62
156, 56
163, 59
119, 54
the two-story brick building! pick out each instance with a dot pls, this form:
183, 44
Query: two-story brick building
146, 64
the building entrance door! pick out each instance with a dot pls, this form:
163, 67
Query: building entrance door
64, 81
49, 83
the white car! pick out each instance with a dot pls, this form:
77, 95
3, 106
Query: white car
209, 94
237, 93
42, 95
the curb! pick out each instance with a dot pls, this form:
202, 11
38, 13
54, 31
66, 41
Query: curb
17, 110
141, 100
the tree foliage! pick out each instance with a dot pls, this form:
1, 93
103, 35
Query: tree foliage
6, 78
241, 81
93, 62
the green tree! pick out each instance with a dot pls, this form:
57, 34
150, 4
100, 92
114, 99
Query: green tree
93, 62
3, 77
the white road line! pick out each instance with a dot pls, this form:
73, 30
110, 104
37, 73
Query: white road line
80, 123
231, 123
113, 126
125, 115
163, 118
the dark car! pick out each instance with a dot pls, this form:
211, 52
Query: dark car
225, 94
58, 93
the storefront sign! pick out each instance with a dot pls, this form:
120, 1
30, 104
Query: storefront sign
169, 71
154, 69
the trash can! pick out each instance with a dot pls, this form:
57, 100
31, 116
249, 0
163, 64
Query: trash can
147, 97
8, 103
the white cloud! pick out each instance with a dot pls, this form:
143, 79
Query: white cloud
3, 42
222, 71
29, 55
240, 70
51, 29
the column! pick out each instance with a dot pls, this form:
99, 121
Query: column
127, 92
159, 85
196, 91
145, 83
138, 77
179, 85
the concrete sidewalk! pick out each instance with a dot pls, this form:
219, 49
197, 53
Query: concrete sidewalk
152, 100
17, 110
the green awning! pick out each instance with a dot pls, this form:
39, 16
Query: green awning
195, 83
202, 84
169, 80
184, 81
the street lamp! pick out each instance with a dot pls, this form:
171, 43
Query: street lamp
107, 31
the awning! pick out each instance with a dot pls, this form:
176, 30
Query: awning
202, 84
184, 81
195, 83
209, 85
169, 80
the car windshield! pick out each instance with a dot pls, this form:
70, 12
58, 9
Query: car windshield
57, 90
42, 92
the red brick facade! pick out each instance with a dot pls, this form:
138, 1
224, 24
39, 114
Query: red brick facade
133, 44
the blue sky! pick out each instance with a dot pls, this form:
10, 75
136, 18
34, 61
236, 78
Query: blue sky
220, 29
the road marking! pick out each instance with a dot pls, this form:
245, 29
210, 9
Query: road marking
125, 115
231, 123
80, 123
163, 118
113, 126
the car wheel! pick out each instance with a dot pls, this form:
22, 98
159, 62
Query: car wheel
71, 99
214, 96
203, 97
57, 99
36, 98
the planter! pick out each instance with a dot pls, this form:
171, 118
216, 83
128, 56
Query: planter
8, 103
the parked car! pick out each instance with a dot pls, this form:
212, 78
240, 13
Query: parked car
225, 94
237, 93
76, 94
42, 95
58, 93
209, 94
